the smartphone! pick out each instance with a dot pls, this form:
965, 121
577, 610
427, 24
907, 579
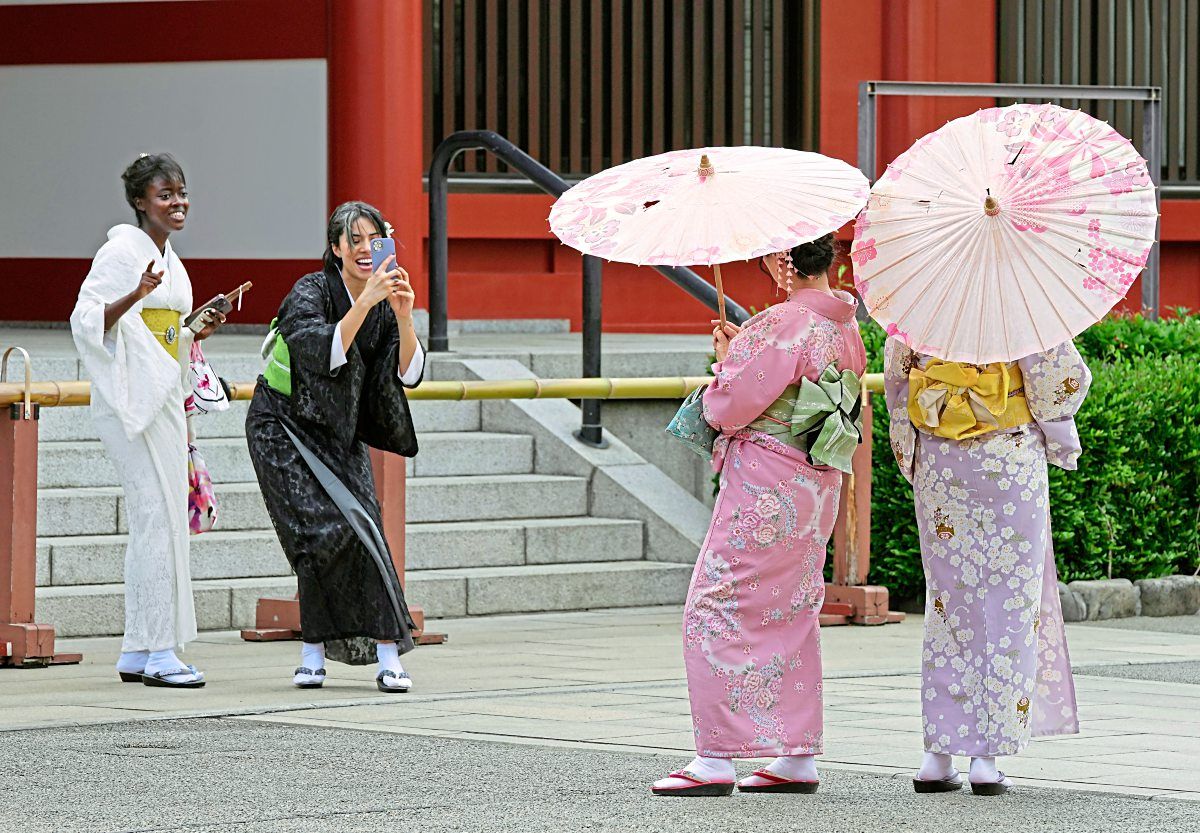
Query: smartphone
220, 303
381, 249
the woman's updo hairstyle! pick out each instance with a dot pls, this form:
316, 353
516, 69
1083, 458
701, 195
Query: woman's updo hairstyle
144, 170
342, 222
814, 257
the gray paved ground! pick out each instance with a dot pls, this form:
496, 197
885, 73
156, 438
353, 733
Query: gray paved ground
1156, 624
251, 777
1165, 672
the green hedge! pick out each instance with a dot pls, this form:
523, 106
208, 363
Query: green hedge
1132, 509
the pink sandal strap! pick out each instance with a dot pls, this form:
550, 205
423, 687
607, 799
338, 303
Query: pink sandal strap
684, 775
771, 776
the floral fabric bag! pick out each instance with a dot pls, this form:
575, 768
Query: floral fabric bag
690, 426
202, 500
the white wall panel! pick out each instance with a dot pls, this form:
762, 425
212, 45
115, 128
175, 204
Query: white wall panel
251, 136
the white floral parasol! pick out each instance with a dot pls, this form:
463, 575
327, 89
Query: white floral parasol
1004, 233
708, 206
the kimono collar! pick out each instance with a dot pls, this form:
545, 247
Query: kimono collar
342, 300
840, 306
138, 237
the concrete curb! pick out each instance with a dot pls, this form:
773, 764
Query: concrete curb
1119, 598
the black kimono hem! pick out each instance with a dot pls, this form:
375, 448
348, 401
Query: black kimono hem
370, 536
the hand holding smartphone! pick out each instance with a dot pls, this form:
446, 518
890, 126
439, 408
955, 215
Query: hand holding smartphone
220, 303
381, 249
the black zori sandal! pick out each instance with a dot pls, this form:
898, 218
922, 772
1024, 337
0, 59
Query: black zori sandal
949, 784
136, 676
992, 787
405, 685
160, 680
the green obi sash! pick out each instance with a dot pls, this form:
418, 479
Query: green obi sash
823, 418
278, 371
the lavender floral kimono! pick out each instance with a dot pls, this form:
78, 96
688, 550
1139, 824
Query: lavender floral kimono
751, 639
995, 669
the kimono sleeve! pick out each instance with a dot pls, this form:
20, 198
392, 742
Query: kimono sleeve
1056, 383
305, 325
763, 359
127, 367
384, 418
897, 362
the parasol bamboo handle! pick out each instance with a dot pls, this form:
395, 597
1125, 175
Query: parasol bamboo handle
233, 296
720, 295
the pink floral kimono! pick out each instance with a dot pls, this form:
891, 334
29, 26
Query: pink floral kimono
751, 639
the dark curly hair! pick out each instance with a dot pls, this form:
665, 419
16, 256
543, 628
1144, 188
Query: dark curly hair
813, 258
341, 222
143, 171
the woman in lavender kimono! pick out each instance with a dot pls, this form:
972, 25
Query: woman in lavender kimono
974, 442
751, 639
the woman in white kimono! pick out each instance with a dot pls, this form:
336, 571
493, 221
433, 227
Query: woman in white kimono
128, 328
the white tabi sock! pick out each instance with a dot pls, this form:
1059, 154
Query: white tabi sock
983, 771
312, 655
133, 662
795, 767
389, 660
389, 656
936, 766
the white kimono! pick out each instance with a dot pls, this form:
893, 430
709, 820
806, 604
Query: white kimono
138, 393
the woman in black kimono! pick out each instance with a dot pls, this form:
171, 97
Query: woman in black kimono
334, 385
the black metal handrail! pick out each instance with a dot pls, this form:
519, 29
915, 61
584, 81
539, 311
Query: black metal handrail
553, 184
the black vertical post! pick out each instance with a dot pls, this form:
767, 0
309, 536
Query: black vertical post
439, 254
1152, 150
867, 147
591, 432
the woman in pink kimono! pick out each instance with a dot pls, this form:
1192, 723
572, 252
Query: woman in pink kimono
751, 638
974, 441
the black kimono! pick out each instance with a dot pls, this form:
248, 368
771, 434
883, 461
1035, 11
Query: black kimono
310, 452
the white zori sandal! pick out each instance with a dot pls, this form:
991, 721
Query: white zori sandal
393, 682
308, 678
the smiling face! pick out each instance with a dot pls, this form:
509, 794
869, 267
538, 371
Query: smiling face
354, 249
163, 206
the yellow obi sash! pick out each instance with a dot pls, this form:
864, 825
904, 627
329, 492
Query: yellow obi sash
165, 325
959, 401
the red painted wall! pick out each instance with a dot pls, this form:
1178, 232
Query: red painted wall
504, 261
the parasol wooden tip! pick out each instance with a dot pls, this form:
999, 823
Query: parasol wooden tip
706, 167
991, 206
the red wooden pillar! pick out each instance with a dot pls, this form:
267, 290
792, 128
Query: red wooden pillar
849, 595
22, 641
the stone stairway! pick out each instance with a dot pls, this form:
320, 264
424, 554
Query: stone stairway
487, 531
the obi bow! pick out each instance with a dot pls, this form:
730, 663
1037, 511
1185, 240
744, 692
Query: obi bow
959, 401
828, 416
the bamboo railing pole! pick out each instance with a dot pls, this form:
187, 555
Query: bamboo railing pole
52, 394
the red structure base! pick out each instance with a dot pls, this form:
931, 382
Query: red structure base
278, 620
858, 605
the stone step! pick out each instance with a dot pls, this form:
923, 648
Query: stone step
85, 462
98, 609
75, 423
100, 559
100, 510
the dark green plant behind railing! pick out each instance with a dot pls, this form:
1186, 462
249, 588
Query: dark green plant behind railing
1132, 509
